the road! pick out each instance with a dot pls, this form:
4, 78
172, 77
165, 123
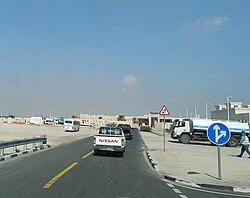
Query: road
71, 170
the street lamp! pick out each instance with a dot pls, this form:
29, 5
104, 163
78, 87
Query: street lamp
206, 109
195, 111
228, 108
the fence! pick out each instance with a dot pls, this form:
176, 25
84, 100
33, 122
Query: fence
15, 143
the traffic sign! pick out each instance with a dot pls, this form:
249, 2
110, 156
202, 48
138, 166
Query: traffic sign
164, 111
218, 134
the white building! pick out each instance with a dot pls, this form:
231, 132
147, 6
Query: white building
102, 120
155, 120
237, 112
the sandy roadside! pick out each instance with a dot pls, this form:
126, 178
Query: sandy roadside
56, 134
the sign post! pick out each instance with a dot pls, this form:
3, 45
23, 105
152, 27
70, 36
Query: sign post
164, 111
218, 134
219, 163
164, 132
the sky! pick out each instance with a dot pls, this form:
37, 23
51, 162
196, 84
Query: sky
127, 57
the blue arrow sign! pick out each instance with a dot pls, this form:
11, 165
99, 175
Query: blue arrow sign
218, 133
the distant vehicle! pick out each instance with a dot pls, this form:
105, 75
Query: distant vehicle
127, 130
49, 121
186, 130
109, 139
87, 123
61, 121
37, 120
71, 125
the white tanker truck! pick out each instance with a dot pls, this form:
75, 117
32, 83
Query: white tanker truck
186, 130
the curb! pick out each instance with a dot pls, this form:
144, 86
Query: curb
211, 186
14, 155
153, 164
201, 185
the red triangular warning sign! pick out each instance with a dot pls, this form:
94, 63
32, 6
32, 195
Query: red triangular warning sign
164, 111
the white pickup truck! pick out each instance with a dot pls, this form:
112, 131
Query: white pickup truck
109, 139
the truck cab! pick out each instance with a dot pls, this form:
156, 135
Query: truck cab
181, 130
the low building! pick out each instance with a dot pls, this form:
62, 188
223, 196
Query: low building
143, 120
157, 121
103, 120
237, 112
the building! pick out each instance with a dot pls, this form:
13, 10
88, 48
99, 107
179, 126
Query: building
237, 112
143, 120
103, 120
156, 120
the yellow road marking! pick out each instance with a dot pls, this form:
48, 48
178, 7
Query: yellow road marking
88, 154
52, 181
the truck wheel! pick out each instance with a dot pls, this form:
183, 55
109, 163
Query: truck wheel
96, 152
185, 138
233, 142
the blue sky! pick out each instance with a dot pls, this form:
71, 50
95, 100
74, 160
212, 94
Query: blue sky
122, 57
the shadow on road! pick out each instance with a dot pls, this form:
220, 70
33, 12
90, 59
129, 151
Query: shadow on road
107, 154
233, 155
211, 176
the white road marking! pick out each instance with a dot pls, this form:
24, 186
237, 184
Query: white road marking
171, 185
212, 192
176, 191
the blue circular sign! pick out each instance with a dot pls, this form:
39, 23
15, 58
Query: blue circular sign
218, 134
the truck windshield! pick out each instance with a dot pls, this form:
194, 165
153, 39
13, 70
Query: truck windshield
68, 122
175, 123
110, 131
124, 126
181, 124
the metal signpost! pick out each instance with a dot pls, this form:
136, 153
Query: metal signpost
164, 111
218, 134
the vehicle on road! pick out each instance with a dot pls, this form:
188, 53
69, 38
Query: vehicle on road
71, 125
127, 130
109, 139
186, 130
49, 121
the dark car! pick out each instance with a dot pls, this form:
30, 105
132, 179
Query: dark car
127, 130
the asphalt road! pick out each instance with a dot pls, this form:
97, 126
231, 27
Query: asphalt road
71, 170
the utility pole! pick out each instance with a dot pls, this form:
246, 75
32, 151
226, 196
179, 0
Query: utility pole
228, 108
206, 109
195, 111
